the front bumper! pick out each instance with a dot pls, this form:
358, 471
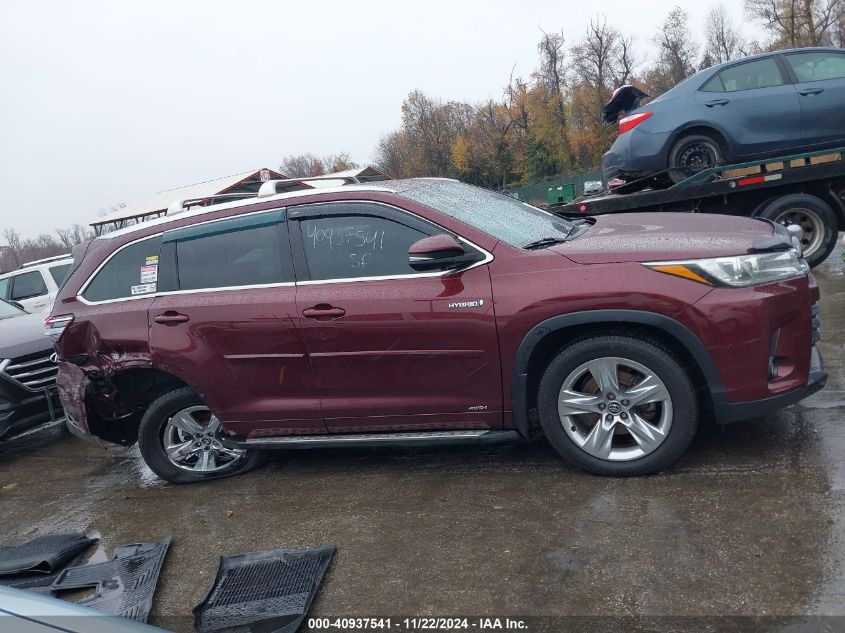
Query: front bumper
35, 409
727, 412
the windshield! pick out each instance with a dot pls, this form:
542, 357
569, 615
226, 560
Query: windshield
508, 219
7, 310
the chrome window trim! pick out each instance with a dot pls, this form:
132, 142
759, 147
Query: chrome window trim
91, 277
488, 256
192, 291
88, 281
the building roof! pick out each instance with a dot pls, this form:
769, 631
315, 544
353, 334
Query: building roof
158, 203
362, 174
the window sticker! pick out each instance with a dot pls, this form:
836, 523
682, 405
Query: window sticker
143, 289
152, 260
149, 274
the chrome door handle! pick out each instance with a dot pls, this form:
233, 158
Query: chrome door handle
810, 91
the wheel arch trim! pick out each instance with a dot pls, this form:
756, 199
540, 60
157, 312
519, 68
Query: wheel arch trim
670, 326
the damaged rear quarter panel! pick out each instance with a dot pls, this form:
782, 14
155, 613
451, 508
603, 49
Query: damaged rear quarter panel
103, 341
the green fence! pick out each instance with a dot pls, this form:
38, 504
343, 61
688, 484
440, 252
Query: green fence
555, 189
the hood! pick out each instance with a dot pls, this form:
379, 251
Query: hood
643, 237
21, 335
624, 99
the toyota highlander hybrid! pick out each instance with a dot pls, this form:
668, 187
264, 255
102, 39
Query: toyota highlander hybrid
428, 311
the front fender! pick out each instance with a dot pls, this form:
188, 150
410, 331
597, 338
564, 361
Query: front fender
673, 328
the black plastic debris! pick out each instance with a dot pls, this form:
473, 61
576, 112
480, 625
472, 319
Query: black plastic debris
124, 585
43, 555
264, 592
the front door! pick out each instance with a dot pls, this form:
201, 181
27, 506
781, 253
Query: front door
820, 82
754, 102
391, 348
227, 323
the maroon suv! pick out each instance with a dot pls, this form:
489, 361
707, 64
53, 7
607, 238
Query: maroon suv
429, 311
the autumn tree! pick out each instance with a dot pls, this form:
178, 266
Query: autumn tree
482, 153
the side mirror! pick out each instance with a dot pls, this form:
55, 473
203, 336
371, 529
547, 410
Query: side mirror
440, 252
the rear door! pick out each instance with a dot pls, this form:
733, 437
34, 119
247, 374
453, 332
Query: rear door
30, 290
225, 320
391, 348
755, 103
820, 82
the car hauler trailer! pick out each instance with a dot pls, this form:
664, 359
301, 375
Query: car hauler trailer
805, 189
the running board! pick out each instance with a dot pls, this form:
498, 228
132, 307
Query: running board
427, 438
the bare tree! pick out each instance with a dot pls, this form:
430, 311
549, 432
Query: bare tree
797, 23
77, 234
625, 62
302, 166
13, 240
722, 38
677, 50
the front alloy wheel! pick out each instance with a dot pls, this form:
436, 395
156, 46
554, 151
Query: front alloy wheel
618, 405
615, 409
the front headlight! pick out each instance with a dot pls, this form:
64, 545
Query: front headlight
738, 271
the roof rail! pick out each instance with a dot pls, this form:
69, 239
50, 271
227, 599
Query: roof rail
268, 188
55, 258
272, 187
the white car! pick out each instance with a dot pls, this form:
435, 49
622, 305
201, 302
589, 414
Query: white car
35, 284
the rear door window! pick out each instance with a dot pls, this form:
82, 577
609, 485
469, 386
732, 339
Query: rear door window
131, 272
760, 73
28, 285
819, 66
233, 253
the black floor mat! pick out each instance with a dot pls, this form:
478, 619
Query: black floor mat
263, 592
43, 555
38, 582
124, 585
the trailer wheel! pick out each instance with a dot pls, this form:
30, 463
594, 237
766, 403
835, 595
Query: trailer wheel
814, 216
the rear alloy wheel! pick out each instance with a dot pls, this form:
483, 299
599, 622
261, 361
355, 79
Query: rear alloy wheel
192, 442
693, 154
181, 441
615, 405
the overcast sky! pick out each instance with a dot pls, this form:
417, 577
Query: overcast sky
108, 102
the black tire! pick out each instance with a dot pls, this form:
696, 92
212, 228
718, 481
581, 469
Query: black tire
661, 362
693, 153
809, 212
150, 441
